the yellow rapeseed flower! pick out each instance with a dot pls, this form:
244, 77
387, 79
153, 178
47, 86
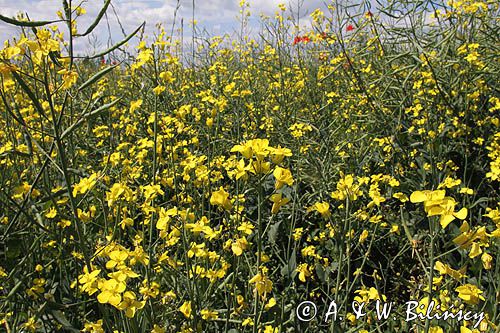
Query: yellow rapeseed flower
470, 293
185, 309
282, 176
111, 291
263, 285
221, 198
436, 203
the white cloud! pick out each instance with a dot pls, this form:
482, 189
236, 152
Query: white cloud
216, 16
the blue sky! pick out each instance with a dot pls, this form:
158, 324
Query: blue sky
216, 16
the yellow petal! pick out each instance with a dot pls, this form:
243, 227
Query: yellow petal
461, 240
435, 210
495, 233
475, 250
464, 329
237, 250
461, 214
439, 266
464, 227
445, 220
418, 196
104, 297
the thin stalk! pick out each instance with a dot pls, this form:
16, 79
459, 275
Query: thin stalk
64, 168
259, 251
431, 272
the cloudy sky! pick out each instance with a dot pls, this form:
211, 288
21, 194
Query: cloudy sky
216, 16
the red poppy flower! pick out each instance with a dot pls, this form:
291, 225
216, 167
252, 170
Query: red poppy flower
350, 27
306, 39
297, 40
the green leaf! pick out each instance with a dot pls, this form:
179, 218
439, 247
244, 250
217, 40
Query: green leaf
14, 290
25, 23
479, 201
273, 232
14, 248
53, 56
97, 20
289, 269
114, 47
320, 272
59, 316
96, 77
30, 94
87, 116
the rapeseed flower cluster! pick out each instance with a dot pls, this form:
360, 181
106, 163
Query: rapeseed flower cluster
161, 191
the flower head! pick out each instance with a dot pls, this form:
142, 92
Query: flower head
221, 198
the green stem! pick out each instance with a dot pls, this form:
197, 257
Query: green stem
341, 254
431, 272
64, 168
259, 252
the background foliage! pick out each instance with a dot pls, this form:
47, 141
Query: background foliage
214, 189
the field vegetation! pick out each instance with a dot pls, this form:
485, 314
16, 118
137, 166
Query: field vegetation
158, 187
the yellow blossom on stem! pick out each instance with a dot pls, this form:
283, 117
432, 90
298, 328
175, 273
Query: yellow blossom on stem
117, 259
88, 280
470, 294
282, 176
130, 304
69, 78
239, 245
278, 154
262, 283
111, 292
221, 198
158, 329
487, 260
472, 239
278, 202
445, 269
93, 327
304, 272
159, 89
85, 184
185, 309
346, 188
436, 203
321, 207
207, 314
